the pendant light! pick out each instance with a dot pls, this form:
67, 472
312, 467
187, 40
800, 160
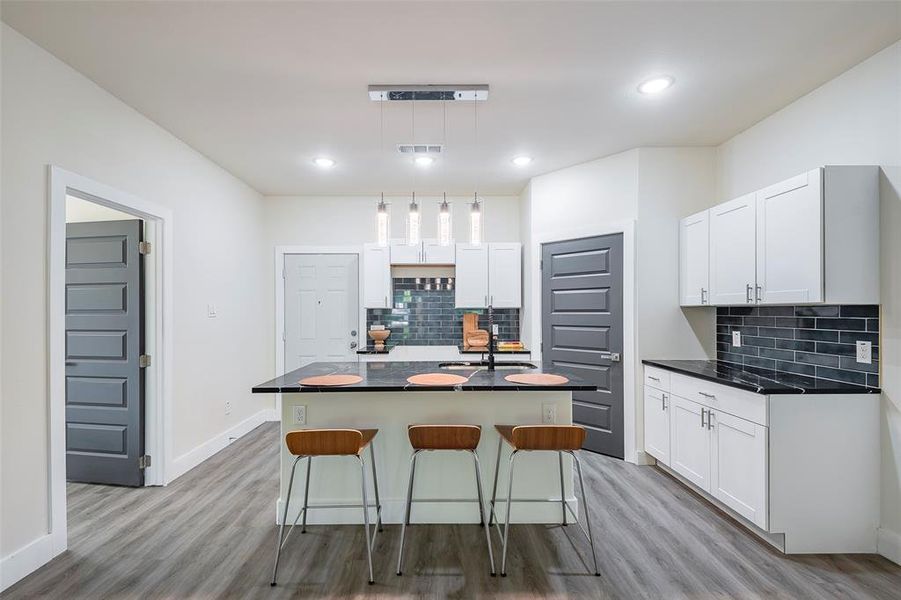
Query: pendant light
414, 223
444, 223
382, 222
475, 221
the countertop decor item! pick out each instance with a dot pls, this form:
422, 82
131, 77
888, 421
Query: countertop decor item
436, 379
537, 378
473, 337
328, 380
379, 336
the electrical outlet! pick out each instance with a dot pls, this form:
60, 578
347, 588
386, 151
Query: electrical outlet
548, 414
864, 352
211, 311
495, 329
228, 407
736, 339
300, 415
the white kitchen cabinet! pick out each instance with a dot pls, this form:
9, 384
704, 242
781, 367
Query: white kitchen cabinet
406, 254
505, 275
376, 276
656, 424
694, 260
433, 253
790, 241
733, 243
690, 442
471, 284
738, 465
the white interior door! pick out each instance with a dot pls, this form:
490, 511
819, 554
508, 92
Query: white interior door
321, 308
790, 240
732, 251
689, 442
694, 263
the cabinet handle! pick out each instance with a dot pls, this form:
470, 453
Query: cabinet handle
663, 401
759, 290
486, 300
703, 293
709, 419
748, 293
706, 395
651, 377
703, 424
386, 301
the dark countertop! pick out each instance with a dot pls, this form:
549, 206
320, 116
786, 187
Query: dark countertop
759, 381
392, 377
372, 350
466, 350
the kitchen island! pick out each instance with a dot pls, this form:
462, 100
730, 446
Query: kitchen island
384, 400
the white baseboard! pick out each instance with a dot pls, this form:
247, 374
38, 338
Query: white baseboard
192, 458
888, 544
26, 560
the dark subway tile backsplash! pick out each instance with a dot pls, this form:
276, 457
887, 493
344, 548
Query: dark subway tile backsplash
811, 341
423, 314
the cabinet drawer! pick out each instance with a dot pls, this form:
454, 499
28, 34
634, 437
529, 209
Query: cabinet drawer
657, 378
742, 404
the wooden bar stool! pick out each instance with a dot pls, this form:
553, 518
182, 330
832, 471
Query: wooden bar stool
541, 438
461, 438
310, 443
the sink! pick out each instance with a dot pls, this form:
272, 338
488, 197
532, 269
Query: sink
483, 364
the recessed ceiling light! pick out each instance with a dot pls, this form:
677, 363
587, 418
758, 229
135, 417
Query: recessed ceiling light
323, 162
424, 161
521, 161
655, 85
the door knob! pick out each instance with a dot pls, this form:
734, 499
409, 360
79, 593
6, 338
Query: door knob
353, 333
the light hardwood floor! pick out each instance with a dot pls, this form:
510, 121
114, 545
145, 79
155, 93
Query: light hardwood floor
211, 535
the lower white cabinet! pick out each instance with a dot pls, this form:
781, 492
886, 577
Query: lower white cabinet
656, 424
802, 469
738, 465
690, 442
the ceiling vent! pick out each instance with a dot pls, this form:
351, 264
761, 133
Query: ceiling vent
420, 148
432, 92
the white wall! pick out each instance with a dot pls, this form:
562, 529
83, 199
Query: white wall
853, 119
53, 115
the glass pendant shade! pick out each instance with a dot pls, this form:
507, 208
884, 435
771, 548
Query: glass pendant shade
414, 223
444, 224
475, 223
382, 222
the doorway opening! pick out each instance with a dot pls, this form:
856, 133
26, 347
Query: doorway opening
110, 336
582, 319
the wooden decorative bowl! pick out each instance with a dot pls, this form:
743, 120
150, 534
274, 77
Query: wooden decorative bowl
379, 337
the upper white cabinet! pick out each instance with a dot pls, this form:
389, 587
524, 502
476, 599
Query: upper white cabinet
694, 257
489, 274
732, 251
376, 276
471, 276
790, 241
406, 254
810, 239
433, 253
505, 275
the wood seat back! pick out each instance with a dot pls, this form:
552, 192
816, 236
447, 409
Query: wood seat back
324, 442
444, 437
548, 437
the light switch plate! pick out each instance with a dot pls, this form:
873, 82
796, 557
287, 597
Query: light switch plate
211, 311
864, 352
300, 415
736, 339
548, 414
228, 407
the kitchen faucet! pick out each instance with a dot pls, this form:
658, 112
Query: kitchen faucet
491, 340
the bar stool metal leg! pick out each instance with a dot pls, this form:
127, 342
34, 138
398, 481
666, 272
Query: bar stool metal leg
497, 469
366, 517
403, 527
594, 553
562, 488
281, 529
375, 483
507, 519
306, 495
478, 468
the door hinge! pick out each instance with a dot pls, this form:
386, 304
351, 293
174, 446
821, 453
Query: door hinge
144, 461
143, 247
284, 273
144, 361
541, 265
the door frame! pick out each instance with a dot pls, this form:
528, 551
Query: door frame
631, 418
280, 252
159, 303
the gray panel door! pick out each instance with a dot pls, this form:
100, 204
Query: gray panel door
582, 330
104, 341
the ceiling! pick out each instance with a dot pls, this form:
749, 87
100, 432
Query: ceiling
262, 88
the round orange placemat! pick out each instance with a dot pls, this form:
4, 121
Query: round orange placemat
322, 380
536, 378
436, 379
